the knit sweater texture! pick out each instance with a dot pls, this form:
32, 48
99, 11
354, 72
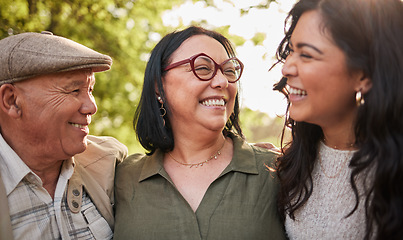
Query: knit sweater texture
324, 214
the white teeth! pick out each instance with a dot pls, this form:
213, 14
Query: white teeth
214, 102
78, 125
295, 91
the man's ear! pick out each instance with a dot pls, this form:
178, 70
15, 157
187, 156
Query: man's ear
9, 100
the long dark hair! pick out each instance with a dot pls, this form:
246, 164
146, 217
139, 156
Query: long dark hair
152, 130
370, 33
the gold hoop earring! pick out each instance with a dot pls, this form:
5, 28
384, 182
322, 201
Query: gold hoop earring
359, 99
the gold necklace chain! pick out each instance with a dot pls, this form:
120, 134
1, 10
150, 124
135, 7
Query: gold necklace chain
348, 145
200, 164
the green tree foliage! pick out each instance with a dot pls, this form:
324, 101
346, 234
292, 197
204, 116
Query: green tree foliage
259, 127
126, 30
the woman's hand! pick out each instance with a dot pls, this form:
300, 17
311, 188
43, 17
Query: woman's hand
269, 146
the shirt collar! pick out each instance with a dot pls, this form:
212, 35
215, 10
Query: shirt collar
68, 168
13, 169
153, 165
243, 160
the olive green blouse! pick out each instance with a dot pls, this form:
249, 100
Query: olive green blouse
239, 204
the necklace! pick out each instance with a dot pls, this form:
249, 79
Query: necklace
348, 145
190, 165
338, 171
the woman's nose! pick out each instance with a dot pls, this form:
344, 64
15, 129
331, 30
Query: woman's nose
289, 67
219, 80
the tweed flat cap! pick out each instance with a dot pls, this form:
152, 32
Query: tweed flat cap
28, 55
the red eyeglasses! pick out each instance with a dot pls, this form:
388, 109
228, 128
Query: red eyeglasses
205, 68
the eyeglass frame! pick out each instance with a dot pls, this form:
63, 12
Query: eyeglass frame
217, 66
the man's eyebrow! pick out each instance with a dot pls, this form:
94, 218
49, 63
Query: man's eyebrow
302, 44
75, 83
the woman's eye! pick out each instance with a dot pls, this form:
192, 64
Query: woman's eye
203, 69
230, 71
304, 55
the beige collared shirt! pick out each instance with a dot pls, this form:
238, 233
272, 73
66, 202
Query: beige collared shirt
35, 215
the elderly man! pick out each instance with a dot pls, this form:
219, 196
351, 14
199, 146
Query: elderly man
46, 104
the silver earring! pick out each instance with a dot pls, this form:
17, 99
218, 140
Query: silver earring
359, 99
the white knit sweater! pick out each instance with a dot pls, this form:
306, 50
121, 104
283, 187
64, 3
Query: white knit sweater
323, 216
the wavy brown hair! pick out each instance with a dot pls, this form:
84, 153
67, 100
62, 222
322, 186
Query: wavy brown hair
370, 33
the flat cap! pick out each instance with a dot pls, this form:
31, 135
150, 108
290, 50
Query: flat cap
28, 55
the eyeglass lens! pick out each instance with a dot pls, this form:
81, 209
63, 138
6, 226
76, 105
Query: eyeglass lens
205, 68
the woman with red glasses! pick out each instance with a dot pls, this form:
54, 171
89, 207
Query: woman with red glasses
199, 179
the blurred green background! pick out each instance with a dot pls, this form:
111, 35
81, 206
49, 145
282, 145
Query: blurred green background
124, 30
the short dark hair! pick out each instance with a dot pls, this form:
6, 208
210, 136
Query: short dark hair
152, 132
370, 33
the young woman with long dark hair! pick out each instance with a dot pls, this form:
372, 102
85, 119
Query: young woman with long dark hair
342, 173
